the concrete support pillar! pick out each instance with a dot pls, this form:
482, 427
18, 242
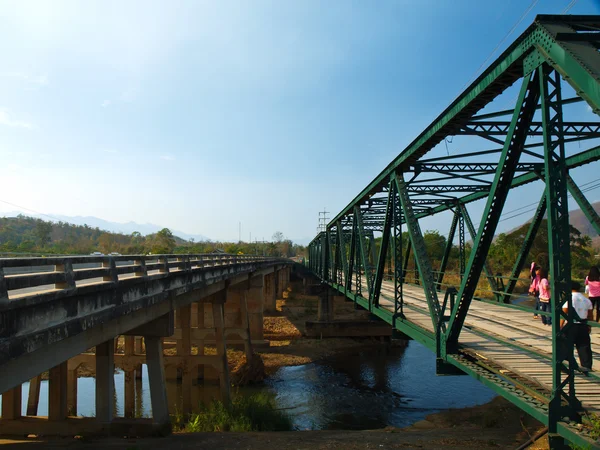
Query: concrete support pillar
33, 399
218, 321
256, 302
278, 288
201, 325
138, 348
72, 392
57, 392
11, 404
156, 377
270, 293
184, 349
105, 369
325, 308
129, 380
246, 325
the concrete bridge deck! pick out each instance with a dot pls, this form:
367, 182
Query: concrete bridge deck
54, 309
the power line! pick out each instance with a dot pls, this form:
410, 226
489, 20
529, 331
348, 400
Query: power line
569, 6
29, 209
527, 11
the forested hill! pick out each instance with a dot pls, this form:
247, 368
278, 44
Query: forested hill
24, 234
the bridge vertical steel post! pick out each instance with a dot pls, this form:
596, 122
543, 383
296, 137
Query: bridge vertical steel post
419, 250
448, 249
462, 251
351, 257
33, 399
342, 247
559, 251
397, 246
511, 152
584, 204
105, 372
362, 246
486, 267
525, 248
383, 250
335, 255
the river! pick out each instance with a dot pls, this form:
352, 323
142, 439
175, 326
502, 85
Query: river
365, 389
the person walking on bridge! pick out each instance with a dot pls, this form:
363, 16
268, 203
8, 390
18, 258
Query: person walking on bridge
579, 331
592, 284
544, 296
534, 288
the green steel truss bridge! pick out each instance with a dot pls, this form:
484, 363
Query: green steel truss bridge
522, 128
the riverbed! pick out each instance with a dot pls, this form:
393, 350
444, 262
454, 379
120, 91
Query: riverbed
367, 388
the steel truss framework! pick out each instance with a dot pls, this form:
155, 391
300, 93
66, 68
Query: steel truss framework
531, 141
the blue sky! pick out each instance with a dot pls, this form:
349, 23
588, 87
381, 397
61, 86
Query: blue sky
199, 115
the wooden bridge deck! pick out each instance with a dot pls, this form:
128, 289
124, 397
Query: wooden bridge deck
508, 329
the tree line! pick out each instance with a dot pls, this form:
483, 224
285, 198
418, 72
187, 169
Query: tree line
24, 234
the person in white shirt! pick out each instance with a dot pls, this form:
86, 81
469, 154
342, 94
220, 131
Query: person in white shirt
579, 331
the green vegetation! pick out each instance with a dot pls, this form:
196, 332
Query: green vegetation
23, 234
252, 413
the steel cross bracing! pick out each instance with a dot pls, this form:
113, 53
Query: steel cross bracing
374, 250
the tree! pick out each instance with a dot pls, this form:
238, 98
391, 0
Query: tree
163, 242
278, 236
42, 231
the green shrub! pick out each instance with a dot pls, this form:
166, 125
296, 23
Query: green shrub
256, 412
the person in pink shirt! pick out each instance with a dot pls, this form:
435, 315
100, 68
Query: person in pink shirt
534, 288
592, 281
544, 289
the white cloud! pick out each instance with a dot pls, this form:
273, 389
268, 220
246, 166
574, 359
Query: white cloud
8, 121
40, 80
109, 150
106, 103
168, 157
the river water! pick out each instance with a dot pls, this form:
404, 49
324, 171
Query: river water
364, 389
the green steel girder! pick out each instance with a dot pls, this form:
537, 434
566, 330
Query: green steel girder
478, 168
527, 101
385, 239
584, 130
418, 245
572, 162
559, 248
525, 248
578, 63
584, 204
486, 266
447, 250
445, 188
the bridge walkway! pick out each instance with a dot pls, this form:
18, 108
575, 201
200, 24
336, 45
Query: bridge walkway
507, 340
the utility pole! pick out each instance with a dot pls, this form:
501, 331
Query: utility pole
240, 234
323, 218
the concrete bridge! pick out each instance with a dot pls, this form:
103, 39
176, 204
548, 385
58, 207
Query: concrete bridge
54, 310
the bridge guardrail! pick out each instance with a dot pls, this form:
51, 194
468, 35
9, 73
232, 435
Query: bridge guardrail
21, 277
